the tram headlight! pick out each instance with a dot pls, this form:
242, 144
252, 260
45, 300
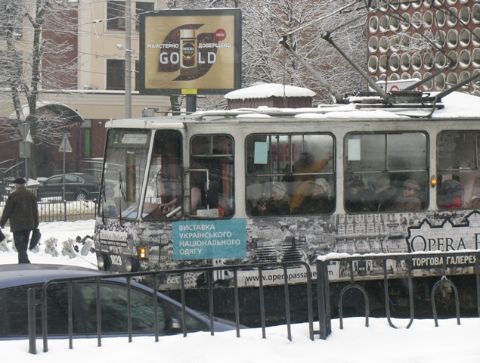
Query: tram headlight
100, 262
142, 253
103, 262
131, 265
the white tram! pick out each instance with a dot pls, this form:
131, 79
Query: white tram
272, 185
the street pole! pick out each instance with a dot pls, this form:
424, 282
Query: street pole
25, 145
128, 59
63, 177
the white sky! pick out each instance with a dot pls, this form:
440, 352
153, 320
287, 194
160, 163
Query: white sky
422, 343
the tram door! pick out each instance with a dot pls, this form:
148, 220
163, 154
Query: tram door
211, 176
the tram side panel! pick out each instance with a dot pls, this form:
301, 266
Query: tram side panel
303, 239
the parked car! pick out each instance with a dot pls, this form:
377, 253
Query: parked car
78, 186
16, 279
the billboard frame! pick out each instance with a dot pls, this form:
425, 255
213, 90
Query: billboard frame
237, 66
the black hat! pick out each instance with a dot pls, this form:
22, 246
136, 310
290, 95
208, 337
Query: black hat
19, 181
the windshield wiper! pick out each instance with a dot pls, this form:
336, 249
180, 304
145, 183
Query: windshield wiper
122, 193
103, 198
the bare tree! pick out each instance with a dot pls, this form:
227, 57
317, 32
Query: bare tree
304, 22
39, 54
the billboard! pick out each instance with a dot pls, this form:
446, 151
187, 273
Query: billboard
196, 50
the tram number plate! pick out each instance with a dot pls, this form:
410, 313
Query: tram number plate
116, 260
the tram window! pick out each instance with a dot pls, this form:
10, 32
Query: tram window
124, 169
163, 197
386, 172
458, 169
290, 174
211, 176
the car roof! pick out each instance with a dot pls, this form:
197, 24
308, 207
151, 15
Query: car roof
25, 274
13, 275
87, 177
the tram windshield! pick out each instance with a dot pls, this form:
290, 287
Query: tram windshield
124, 168
163, 197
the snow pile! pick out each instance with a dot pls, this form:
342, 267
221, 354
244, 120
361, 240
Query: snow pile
267, 90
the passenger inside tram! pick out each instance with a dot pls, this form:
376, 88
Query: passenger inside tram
385, 194
450, 194
409, 200
276, 204
303, 169
475, 203
355, 196
318, 201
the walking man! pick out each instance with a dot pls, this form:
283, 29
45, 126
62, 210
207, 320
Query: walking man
22, 210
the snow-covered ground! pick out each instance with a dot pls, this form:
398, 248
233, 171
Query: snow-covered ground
355, 343
57, 237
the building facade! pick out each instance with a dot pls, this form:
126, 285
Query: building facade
93, 91
432, 40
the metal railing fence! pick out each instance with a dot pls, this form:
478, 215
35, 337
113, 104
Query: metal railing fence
324, 295
66, 211
322, 291
156, 275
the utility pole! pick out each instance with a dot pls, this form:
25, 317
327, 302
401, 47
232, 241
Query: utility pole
64, 147
128, 58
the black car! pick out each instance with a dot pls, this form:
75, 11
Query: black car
16, 279
78, 186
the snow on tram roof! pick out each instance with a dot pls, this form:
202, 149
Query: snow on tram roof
459, 104
454, 105
175, 122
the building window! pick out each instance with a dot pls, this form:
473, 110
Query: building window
290, 174
115, 15
115, 74
386, 172
87, 142
140, 9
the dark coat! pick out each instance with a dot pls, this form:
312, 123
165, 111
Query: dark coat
21, 208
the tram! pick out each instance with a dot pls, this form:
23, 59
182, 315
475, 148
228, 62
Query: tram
284, 185
374, 173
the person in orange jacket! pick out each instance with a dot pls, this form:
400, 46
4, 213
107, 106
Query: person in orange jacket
304, 180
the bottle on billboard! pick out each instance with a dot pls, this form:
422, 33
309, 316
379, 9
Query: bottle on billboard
188, 52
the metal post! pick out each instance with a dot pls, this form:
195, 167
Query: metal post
63, 168
128, 59
32, 323
191, 103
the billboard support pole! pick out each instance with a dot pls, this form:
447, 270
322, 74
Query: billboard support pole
191, 103
128, 59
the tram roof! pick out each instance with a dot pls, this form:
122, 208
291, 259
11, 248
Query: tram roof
454, 105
